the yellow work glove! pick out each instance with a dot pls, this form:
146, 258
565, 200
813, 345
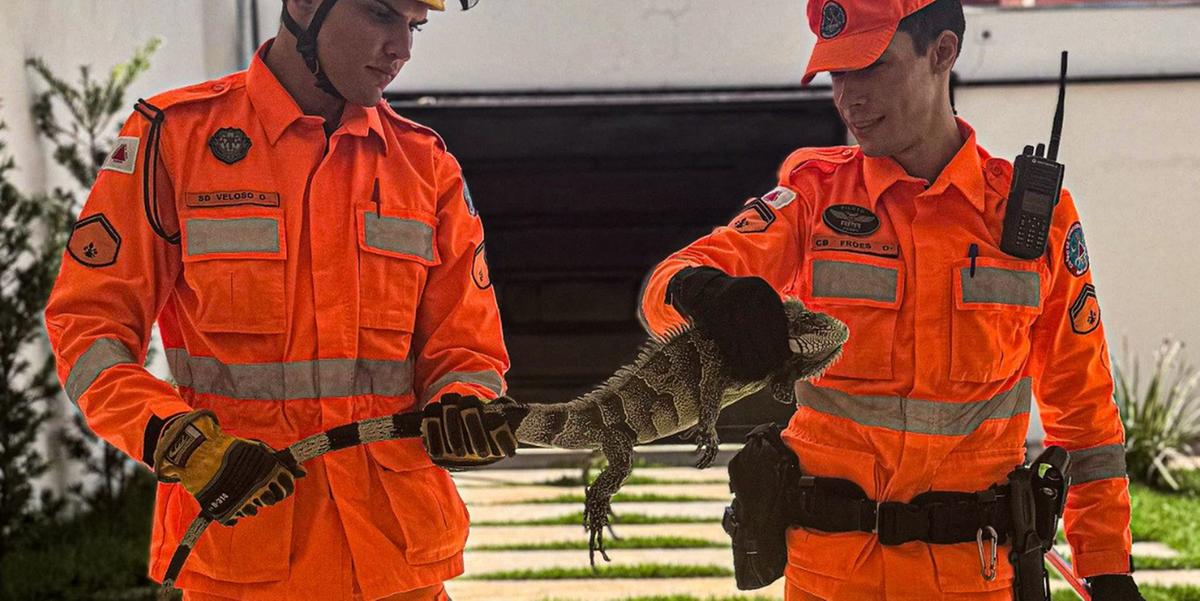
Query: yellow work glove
231, 477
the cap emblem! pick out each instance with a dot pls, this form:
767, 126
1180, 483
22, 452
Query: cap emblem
833, 20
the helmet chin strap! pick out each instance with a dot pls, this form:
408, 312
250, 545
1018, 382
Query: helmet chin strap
306, 44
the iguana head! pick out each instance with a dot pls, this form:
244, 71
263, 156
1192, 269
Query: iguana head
815, 339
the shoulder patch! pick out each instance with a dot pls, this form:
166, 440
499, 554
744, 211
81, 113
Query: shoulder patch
1075, 253
94, 242
779, 197
467, 197
1085, 311
755, 217
123, 158
479, 269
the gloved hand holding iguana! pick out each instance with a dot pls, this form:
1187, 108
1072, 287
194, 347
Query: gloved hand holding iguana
684, 379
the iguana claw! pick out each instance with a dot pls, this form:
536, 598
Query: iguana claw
707, 447
595, 520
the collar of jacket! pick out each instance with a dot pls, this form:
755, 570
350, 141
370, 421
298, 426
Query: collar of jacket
277, 110
964, 172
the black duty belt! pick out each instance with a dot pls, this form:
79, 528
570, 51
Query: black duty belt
935, 517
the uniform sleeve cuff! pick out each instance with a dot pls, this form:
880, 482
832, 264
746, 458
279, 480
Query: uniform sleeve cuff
484, 393
1096, 563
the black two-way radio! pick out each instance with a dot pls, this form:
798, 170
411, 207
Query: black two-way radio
1036, 185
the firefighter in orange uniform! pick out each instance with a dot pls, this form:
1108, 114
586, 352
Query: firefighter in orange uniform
951, 338
312, 259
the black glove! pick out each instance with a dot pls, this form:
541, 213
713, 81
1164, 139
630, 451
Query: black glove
1114, 587
743, 315
461, 432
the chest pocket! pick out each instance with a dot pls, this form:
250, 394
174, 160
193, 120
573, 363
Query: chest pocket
396, 250
234, 263
994, 310
865, 293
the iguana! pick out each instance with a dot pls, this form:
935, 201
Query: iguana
677, 382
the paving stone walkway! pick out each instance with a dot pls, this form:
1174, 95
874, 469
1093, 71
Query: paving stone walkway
505, 495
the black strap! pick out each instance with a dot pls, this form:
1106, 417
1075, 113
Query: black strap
150, 169
306, 44
936, 517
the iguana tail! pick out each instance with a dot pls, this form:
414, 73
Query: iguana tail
568, 425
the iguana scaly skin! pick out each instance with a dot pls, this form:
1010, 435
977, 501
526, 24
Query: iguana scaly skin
677, 382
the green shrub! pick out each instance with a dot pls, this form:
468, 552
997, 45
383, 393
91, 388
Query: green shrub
1162, 420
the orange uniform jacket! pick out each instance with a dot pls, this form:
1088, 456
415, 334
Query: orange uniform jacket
315, 281
934, 388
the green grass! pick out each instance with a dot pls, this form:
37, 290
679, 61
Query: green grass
637, 542
575, 519
1169, 518
623, 498
1166, 563
637, 571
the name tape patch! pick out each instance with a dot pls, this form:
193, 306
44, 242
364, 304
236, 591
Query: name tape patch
232, 198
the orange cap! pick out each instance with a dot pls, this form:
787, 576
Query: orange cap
852, 34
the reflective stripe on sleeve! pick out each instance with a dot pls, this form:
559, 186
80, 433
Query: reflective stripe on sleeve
1098, 463
101, 355
487, 379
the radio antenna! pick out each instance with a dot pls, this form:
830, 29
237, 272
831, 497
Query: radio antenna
1056, 131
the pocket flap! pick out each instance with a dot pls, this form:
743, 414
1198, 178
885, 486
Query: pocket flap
402, 235
400, 455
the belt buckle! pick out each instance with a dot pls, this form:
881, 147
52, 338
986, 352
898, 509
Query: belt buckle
885, 523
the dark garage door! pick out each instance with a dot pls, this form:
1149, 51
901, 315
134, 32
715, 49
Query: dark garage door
582, 195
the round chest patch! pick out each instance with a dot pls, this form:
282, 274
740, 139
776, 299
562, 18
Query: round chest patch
833, 20
1075, 251
229, 144
851, 219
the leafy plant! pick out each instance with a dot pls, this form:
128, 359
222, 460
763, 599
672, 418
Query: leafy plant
1162, 419
80, 121
82, 141
24, 283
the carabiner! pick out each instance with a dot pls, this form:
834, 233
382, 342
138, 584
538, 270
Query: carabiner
987, 565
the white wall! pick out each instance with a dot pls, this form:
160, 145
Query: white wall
1133, 166
529, 45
